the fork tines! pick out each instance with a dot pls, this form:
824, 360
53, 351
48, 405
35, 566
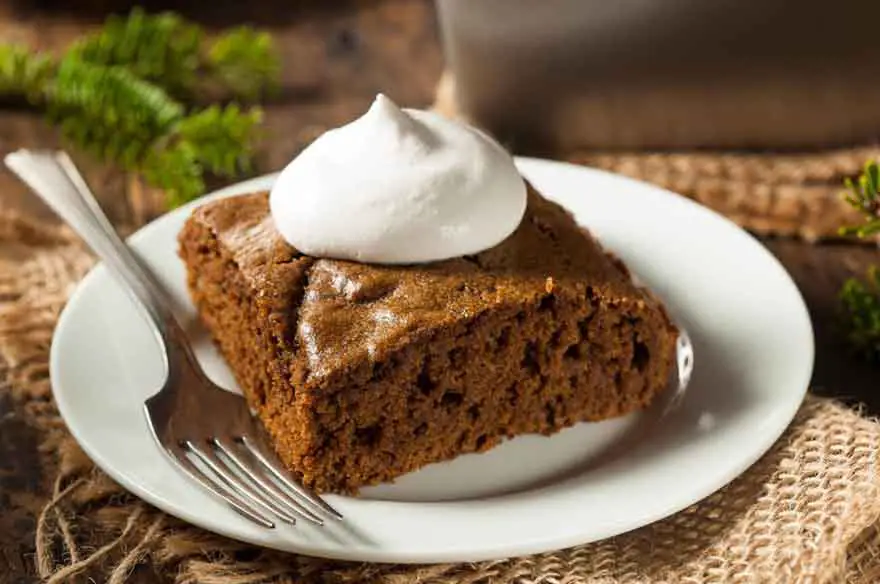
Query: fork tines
250, 479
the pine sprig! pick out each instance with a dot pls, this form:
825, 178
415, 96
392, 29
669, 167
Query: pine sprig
860, 301
24, 73
863, 195
223, 137
161, 48
175, 170
117, 94
246, 61
218, 140
108, 111
166, 49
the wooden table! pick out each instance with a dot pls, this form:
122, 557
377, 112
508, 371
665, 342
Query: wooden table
336, 58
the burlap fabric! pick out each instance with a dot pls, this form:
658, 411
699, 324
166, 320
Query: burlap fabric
808, 511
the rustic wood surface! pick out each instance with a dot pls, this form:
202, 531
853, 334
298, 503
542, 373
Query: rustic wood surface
335, 60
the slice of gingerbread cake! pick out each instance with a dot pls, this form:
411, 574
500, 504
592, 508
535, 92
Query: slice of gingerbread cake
363, 372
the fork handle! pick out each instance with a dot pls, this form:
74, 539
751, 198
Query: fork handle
53, 177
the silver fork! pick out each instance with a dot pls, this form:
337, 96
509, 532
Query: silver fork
208, 432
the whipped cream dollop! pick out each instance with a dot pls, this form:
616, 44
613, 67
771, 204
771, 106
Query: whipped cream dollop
398, 186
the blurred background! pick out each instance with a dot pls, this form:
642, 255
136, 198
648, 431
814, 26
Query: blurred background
673, 74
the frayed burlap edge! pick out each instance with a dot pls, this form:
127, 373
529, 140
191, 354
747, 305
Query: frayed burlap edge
796, 195
807, 512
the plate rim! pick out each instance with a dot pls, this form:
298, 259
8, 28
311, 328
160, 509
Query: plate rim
485, 552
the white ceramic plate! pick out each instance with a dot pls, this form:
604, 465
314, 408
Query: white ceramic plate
754, 356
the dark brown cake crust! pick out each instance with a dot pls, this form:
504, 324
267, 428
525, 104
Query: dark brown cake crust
361, 373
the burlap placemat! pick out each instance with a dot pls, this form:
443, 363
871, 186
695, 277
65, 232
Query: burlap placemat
807, 512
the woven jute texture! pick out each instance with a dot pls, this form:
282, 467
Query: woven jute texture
791, 194
806, 512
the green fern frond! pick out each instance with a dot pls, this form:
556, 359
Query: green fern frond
121, 118
109, 111
860, 301
222, 137
869, 229
162, 48
166, 49
24, 73
245, 61
120, 93
176, 170
863, 195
